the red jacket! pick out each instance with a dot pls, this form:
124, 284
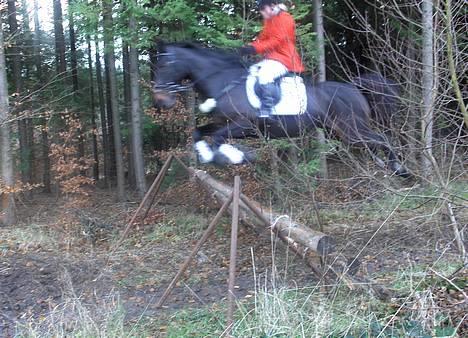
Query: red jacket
277, 41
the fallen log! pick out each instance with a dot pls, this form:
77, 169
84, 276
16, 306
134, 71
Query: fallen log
255, 215
302, 240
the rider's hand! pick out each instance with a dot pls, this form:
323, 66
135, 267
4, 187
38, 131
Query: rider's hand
247, 50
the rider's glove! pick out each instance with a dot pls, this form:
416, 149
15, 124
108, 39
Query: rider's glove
247, 50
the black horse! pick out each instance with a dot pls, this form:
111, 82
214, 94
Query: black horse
220, 77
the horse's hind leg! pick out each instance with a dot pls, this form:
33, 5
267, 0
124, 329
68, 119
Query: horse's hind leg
227, 153
202, 148
362, 136
375, 142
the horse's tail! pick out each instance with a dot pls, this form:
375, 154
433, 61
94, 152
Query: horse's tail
383, 96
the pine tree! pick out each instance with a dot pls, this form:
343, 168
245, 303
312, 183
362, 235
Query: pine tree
7, 211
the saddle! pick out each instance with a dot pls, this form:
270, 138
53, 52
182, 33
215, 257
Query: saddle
290, 94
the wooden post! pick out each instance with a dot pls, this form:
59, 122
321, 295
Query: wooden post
195, 250
153, 189
233, 257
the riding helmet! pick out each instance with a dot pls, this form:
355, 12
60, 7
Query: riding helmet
263, 3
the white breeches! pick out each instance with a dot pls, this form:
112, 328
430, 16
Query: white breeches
268, 71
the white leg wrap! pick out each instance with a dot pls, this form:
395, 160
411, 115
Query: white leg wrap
204, 151
232, 153
208, 105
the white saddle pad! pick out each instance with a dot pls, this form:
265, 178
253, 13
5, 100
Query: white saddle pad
293, 96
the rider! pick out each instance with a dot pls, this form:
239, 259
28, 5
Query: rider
277, 42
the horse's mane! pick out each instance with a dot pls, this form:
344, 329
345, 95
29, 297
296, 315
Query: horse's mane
216, 53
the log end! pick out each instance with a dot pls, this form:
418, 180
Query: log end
325, 245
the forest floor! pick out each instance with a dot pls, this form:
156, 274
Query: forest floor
57, 269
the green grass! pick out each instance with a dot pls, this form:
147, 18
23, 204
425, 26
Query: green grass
420, 277
27, 238
204, 322
278, 311
75, 319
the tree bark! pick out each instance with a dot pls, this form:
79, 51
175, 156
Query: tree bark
45, 156
137, 138
322, 76
109, 120
102, 110
15, 50
128, 112
93, 111
73, 55
28, 50
60, 59
46, 182
8, 211
427, 86
28, 44
110, 62
37, 43
75, 85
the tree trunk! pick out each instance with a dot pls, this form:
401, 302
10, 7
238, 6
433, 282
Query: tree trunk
14, 48
109, 119
110, 62
74, 74
73, 55
102, 110
45, 156
43, 121
93, 111
427, 86
128, 112
25, 165
7, 211
37, 43
322, 77
28, 52
28, 45
60, 60
137, 138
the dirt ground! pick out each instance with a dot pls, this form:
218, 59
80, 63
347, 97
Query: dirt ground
52, 254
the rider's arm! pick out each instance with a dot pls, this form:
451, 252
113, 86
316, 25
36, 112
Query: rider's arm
273, 37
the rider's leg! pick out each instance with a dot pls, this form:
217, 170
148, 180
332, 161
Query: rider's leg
268, 72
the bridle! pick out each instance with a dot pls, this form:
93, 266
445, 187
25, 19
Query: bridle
170, 87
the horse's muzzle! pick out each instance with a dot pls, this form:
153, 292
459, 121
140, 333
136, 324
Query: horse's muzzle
162, 99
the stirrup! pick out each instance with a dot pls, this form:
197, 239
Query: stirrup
264, 113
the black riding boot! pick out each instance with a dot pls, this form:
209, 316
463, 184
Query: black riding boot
269, 94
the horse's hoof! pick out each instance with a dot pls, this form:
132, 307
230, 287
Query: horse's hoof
228, 154
205, 154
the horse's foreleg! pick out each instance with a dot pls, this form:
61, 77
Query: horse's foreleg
227, 153
202, 148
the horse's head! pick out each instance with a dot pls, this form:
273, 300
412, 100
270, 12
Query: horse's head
170, 69
178, 61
